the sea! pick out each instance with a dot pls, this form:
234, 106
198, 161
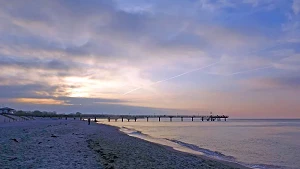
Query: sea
255, 143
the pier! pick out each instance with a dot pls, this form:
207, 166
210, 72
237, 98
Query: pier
135, 118
158, 117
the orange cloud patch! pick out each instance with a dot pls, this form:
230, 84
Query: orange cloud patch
40, 101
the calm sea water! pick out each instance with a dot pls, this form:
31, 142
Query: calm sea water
255, 143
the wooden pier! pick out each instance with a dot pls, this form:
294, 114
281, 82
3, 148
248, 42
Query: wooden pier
158, 117
128, 118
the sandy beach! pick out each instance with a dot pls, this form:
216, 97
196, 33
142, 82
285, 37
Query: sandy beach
54, 143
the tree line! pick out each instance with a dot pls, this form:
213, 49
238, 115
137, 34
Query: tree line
43, 113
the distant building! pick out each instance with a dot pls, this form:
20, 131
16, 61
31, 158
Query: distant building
7, 110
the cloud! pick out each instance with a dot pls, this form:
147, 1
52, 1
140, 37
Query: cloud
275, 83
15, 91
38, 101
67, 52
296, 6
102, 33
36, 64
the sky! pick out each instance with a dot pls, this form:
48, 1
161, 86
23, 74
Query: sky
240, 57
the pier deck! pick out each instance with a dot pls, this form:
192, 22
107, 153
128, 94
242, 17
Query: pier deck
110, 117
158, 117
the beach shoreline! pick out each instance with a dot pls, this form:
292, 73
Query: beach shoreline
54, 143
170, 148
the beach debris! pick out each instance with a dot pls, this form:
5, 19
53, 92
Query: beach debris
109, 167
15, 140
14, 158
54, 136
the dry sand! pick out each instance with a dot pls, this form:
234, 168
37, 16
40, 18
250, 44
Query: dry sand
46, 144
74, 144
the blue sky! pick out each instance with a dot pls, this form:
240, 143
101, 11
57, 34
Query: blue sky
239, 57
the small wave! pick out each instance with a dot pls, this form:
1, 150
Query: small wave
131, 131
185, 146
137, 133
195, 148
192, 147
206, 152
265, 166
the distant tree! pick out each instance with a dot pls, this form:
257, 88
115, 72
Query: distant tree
20, 113
78, 113
37, 113
51, 113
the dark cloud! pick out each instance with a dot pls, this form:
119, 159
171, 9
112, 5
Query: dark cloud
19, 91
90, 48
37, 63
87, 8
27, 41
26, 10
108, 27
